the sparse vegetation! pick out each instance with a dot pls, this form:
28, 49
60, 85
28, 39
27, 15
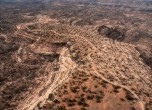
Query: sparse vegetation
51, 97
75, 53
129, 96
56, 101
116, 89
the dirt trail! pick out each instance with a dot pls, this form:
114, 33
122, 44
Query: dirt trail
105, 79
116, 84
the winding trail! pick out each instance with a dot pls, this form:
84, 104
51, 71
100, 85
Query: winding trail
105, 79
116, 84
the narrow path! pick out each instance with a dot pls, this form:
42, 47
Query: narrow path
105, 79
116, 84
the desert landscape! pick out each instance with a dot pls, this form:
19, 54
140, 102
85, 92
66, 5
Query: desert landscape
75, 55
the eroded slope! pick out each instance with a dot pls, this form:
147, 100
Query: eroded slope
71, 67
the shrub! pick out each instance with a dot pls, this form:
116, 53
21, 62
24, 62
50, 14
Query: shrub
56, 101
51, 97
129, 96
90, 97
98, 99
84, 88
81, 101
61, 108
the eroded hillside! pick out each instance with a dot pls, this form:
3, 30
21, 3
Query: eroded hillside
61, 60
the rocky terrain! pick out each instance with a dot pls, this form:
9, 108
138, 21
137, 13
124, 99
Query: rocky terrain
75, 55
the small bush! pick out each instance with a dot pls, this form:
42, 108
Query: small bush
84, 88
98, 99
61, 108
90, 97
129, 96
51, 97
56, 101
